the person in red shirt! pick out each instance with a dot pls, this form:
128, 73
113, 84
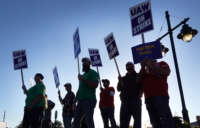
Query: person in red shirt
106, 104
154, 76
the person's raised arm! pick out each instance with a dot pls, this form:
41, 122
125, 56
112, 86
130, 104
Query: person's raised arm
142, 72
59, 97
120, 83
24, 89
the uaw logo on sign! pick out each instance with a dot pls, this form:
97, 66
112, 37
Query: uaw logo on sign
111, 46
95, 57
19, 59
77, 46
141, 18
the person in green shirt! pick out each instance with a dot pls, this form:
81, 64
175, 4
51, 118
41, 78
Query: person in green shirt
34, 103
86, 95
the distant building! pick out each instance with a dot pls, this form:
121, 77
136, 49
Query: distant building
3, 125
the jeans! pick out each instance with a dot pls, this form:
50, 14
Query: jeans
33, 118
85, 108
159, 112
108, 114
130, 107
46, 123
67, 120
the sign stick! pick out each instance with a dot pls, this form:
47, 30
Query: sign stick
143, 41
121, 82
99, 77
78, 65
22, 76
117, 66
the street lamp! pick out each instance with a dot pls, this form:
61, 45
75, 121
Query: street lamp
186, 34
164, 50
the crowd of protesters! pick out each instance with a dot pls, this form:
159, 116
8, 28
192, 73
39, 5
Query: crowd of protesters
151, 81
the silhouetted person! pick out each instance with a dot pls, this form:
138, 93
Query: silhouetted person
34, 104
47, 115
154, 80
106, 104
130, 98
68, 105
86, 95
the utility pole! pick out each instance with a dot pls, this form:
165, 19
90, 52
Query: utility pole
4, 116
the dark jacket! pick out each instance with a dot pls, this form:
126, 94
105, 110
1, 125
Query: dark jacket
68, 102
51, 105
128, 87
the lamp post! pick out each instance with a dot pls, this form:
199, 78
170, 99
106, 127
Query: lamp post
182, 35
184, 109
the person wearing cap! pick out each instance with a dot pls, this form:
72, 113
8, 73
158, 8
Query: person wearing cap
106, 104
86, 95
154, 76
130, 98
34, 103
68, 105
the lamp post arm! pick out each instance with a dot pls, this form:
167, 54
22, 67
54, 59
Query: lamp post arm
182, 22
